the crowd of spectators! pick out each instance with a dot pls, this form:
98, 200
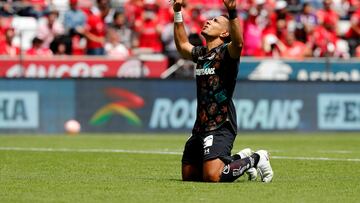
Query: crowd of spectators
292, 29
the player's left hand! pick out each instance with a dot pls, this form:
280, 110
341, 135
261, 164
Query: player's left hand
230, 4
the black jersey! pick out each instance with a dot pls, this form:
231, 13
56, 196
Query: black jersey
216, 74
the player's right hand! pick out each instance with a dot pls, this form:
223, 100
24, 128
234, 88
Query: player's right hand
177, 4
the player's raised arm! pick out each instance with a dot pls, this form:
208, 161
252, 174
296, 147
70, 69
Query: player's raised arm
181, 40
235, 30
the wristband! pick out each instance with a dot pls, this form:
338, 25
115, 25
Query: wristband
232, 14
178, 17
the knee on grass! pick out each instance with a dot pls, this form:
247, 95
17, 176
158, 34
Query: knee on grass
211, 176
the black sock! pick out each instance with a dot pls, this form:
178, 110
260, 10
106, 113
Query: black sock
237, 168
256, 158
236, 157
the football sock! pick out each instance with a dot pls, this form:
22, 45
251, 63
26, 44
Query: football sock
256, 158
238, 167
235, 157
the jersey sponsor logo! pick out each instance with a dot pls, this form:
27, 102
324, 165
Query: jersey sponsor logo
208, 58
208, 141
125, 100
207, 71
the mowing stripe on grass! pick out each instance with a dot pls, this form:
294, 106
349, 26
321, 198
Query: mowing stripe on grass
32, 149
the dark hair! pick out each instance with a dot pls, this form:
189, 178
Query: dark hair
117, 13
37, 40
228, 38
226, 16
305, 5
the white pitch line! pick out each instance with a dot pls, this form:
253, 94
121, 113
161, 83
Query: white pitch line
32, 149
321, 151
314, 158
338, 151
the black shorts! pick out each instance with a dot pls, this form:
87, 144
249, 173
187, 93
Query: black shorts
208, 146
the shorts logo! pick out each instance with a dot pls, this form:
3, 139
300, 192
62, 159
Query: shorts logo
241, 170
226, 169
208, 141
206, 151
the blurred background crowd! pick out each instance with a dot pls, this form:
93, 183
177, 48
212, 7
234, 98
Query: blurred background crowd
292, 29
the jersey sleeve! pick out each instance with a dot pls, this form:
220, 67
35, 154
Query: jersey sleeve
196, 52
224, 49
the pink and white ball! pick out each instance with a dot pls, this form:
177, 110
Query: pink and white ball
72, 127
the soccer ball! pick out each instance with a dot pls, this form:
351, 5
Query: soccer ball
72, 127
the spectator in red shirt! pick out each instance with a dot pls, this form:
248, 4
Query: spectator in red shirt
149, 30
95, 33
133, 11
6, 46
294, 49
252, 33
196, 21
353, 34
327, 12
37, 49
165, 12
2, 29
324, 38
357, 52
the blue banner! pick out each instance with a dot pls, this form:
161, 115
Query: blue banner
170, 106
36, 106
153, 106
309, 70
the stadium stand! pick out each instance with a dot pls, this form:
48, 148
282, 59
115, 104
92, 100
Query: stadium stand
292, 29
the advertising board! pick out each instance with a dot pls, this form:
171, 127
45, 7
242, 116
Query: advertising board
81, 67
170, 106
19, 109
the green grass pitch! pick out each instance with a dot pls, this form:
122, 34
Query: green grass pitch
146, 168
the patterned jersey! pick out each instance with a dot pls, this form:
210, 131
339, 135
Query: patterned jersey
216, 74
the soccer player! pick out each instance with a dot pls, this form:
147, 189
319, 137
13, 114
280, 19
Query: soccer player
207, 154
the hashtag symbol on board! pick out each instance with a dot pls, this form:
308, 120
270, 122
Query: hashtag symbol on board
332, 111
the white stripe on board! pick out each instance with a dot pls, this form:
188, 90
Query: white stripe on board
32, 149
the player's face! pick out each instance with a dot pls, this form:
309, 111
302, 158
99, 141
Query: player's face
215, 27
